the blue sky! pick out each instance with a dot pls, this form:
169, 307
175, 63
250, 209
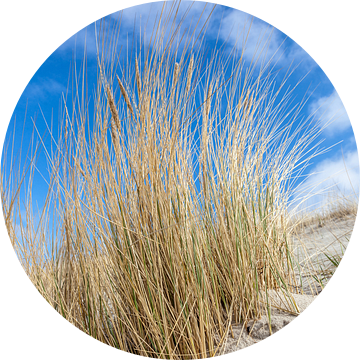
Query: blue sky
45, 89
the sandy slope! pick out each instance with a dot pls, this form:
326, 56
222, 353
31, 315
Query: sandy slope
241, 336
330, 236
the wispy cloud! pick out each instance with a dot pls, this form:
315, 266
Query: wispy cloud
251, 35
331, 113
339, 174
43, 87
263, 41
77, 42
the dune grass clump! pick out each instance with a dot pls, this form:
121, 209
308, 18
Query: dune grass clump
166, 216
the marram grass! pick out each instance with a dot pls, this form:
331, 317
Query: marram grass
166, 216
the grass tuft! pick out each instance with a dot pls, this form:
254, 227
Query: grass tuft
166, 219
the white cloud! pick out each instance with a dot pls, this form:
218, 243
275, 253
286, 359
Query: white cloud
84, 37
297, 53
43, 87
260, 39
263, 41
331, 113
334, 176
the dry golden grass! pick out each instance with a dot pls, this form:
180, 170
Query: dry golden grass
166, 217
